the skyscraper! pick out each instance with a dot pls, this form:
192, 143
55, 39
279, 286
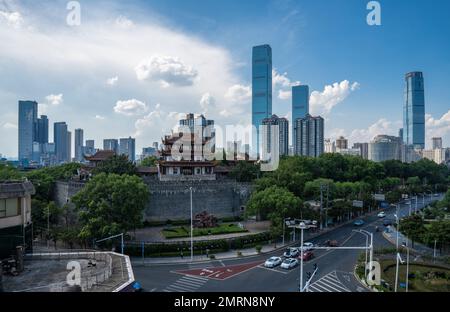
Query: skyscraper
364, 148
61, 136
341, 143
437, 143
300, 105
261, 88
27, 129
414, 111
283, 126
310, 136
127, 147
42, 130
69, 146
111, 145
79, 140
385, 147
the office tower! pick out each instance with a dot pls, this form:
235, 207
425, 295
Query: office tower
310, 136
329, 146
127, 146
364, 148
27, 129
300, 105
283, 138
198, 124
341, 143
60, 138
261, 88
69, 146
414, 111
155, 145
111, 145
89, 148
400, 134
90, 144
42, 130
437, 143
79, 149
385, 147
148, 152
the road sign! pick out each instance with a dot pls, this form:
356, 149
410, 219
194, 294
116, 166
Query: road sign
379, 197
358, 203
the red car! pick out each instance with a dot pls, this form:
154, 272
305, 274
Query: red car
307, 255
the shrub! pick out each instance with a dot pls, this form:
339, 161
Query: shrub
258, 248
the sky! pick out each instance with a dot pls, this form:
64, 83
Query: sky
133, 68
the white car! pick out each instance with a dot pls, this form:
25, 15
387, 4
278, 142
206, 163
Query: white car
291, 253
307, 246
273, 262
289, 263
382, 214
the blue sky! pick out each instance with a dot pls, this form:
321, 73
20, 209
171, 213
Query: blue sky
138, 65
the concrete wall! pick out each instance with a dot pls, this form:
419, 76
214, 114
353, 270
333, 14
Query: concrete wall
170, 200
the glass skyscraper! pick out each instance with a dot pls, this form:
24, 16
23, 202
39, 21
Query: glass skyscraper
62, 143
310, 136
414, 111
261, 88
28, 111
79, 149
127, 146
300, 106
283, 138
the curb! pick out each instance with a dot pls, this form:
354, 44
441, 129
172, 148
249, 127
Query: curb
362, 282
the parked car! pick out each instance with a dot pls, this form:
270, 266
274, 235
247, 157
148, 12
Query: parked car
382, 214
273, 262
331, 243
359, 222
289, 263
307, 255
388, 222
291, 253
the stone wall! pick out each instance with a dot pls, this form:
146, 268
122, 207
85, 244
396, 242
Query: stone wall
170, 200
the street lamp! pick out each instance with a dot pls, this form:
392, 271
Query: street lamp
399, 259
407, 263
398, 228
302, 227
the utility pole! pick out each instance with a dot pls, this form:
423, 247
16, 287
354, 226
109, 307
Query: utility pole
321, 206
192, 229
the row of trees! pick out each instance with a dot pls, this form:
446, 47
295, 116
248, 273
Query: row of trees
337, 180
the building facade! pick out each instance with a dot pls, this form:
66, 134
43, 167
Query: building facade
341, 143
127, 146
310, 136
283, 134
414, 111
28, 111
300, 105
437, 143
62, 143
111, 145
364, 149
261, 88
384, 147
79, 145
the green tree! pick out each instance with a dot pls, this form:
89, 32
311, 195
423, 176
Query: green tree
110, 204
116, 165
413, 227
8, 172
149, 161
245, 171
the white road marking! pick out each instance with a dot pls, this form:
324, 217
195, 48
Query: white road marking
187, 284
329, 283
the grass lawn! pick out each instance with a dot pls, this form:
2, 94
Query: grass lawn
427, 277
184, 231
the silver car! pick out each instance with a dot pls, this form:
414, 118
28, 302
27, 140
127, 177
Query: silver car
272, 262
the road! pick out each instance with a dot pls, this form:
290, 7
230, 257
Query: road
335, 272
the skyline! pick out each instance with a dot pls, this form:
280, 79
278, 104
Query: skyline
91, 83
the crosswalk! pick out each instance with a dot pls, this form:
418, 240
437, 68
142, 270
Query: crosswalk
328, 283
187, 283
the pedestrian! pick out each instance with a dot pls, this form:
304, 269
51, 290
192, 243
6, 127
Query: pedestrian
182, 256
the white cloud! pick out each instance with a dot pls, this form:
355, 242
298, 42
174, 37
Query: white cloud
437, 127
239, 93
382, 126
124, 22
207, 102
13, 19
167, 70
321, 103
130, 107
54, 99
112, 81
157, 123
99, 117
9, 125
284, 95
282, 84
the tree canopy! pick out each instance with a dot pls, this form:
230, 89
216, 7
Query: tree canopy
117, 164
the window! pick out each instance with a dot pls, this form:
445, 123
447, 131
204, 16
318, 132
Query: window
9, 207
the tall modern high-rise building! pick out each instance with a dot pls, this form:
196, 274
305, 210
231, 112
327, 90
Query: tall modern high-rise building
28, 111
341, 143
69, 146
437, 143
414, 111
364, 149
42, 130
300, 105
127, 147
111, 145
62, 143
261, 88
79, 145
310, 136
385, 147
283, 130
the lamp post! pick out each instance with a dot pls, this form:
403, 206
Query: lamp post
192, 229
302, 226
48, 228
407, 264
399, 259
365, 233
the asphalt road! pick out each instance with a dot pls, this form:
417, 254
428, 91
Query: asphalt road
335, 273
